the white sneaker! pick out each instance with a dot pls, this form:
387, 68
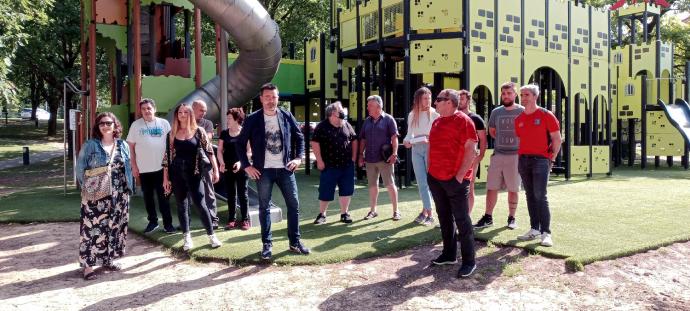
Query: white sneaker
546, 240
188, 244
215, 243
529, 235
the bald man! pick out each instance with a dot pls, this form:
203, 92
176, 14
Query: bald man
200, 108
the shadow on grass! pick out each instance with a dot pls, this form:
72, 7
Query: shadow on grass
407, 283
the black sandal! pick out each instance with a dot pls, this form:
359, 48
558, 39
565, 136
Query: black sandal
90, 276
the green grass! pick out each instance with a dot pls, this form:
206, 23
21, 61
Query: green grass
602, 218
19, 133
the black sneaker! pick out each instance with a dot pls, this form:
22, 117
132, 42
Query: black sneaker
299, 248
466, 270
150, 227
345, 218
170, 229
320, 220
511, 223
267, 251
486, 221
444, 260
214, 224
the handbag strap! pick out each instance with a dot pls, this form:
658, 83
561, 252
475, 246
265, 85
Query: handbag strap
112, 154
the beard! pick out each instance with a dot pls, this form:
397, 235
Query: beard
507, 103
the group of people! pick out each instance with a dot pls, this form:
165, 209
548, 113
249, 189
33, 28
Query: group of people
180, 159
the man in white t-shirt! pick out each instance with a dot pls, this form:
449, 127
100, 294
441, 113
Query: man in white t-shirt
146, 140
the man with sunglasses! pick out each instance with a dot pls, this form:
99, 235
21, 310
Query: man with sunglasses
146, 141
452, 149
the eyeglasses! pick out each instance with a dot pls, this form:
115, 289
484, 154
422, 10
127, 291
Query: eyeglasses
106, 123
441, 99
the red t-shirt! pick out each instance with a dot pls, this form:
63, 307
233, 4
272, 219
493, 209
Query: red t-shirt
447, 140
533, 130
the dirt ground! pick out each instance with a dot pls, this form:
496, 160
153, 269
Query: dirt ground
38, 271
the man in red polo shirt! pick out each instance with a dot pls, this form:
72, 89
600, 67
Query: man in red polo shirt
540, 142
452, 149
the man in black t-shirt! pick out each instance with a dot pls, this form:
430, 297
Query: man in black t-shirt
479, 125
335, 146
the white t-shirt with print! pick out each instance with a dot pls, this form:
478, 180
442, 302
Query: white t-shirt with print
149, 140
274, 143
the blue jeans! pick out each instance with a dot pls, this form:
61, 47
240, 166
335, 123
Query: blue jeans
288, 187
534, 171
420, 155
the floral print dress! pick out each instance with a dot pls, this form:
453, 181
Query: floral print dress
104, 222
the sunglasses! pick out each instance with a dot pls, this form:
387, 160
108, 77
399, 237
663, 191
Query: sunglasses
106, 123
441, 99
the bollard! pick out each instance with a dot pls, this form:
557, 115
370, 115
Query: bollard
25, 155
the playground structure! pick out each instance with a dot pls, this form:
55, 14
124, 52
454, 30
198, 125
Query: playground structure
608, 96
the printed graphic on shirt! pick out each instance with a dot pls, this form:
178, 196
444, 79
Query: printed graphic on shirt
274, 143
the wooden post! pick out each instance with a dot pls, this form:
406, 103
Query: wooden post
136, 51
197, 47
92, 65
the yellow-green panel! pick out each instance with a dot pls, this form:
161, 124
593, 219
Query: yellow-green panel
644, 58
435, 14
331, 71
509, 23
166, 91
600, 36
620, 61
484, 166
638, 8
579, 31
428, 77
393, 11
666, 56
558, 27
600, 77
600, 160
535, 59
665, 86
440, 55
535, 25
352, 111
400, 71
369, 21
509, 70
451, 83
482, 19
348, 33
665, 144
629, 98
481, 65
299, 113
658, 123
178, 3
579, 75
116, 33
579, 156
313, 65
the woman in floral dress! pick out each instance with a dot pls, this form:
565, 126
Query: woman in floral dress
103, 225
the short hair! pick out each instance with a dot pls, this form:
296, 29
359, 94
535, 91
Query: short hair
376, 98
465, 93
267, 86
509, 85
96, 131
333, 107
452, 96
237, 115
532, 88
198, 102
149, 101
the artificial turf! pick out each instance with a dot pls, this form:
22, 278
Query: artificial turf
592, 219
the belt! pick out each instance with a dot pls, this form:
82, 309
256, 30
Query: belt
533, 156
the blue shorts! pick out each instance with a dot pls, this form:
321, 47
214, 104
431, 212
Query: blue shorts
343, 177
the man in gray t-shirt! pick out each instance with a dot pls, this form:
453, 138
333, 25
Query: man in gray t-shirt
503, 167
200, 108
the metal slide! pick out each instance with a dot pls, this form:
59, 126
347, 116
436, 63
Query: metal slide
679, 115
258, 39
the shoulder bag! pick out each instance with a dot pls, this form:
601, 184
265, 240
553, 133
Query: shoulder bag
97, 181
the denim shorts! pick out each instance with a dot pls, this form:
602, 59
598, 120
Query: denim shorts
331, 177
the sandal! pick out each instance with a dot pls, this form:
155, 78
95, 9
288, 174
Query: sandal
90, 276
114, 266
371, 215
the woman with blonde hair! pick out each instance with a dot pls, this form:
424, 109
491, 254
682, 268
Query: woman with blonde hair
104, 172
418, 126
189, 156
